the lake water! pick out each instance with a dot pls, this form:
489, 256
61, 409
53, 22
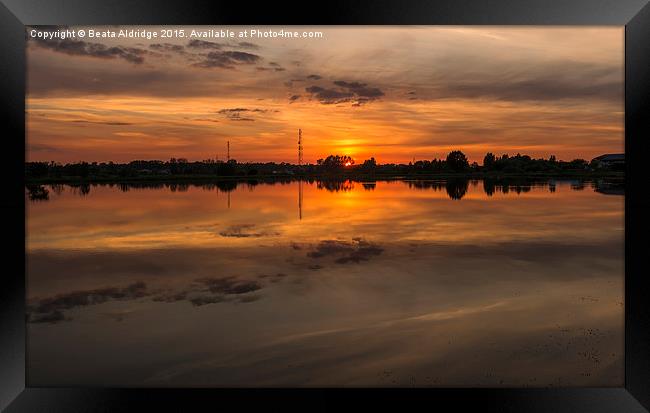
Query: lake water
388, 283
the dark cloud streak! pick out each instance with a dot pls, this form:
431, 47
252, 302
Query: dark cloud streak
167, 47
356, 92
236, 114
329, 96
202, 44
98, 50
227, 59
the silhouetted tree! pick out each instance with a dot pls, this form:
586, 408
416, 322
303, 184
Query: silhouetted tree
457, 161
36, 169
335, 162
578, 164
369, 164
488, 160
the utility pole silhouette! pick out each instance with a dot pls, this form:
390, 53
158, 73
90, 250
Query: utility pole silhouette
228, 151
299, 147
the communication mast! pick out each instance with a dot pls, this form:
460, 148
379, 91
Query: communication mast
299, 147
228, 151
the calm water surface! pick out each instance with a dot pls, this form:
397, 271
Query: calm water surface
401, 283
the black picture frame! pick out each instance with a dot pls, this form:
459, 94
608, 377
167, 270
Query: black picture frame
633, 14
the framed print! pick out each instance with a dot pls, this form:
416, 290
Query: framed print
380, 202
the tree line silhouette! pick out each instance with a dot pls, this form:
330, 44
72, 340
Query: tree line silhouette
456, 163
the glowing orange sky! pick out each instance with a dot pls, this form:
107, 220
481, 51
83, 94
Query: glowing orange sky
395, 93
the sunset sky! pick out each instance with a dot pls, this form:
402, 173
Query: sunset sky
395, 93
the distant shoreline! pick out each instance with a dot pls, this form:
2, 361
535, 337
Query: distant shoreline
322, 177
